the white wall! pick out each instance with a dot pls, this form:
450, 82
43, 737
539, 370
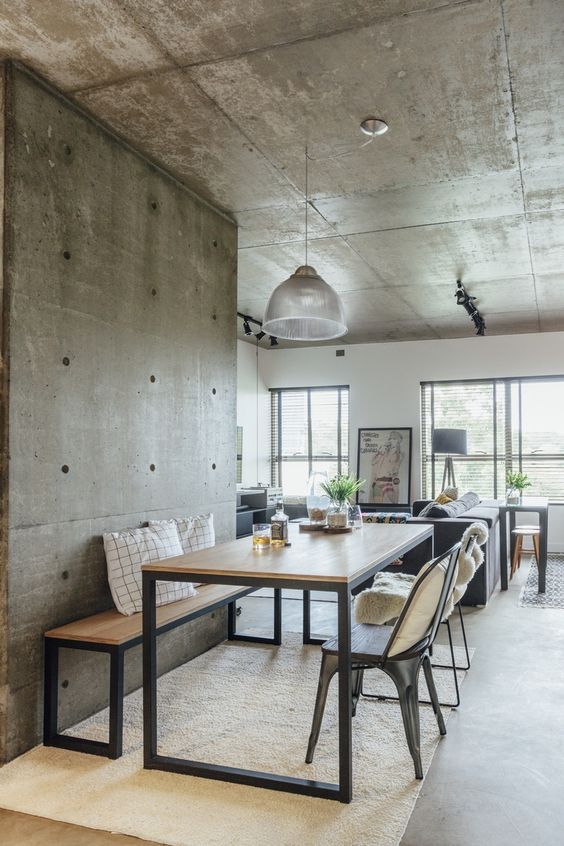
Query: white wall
253, 414
384, 380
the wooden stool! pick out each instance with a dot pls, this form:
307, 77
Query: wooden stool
524, 532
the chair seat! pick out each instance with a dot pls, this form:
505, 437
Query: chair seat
367, 642
526, 531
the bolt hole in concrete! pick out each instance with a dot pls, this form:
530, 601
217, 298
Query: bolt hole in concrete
68, 150
65, 684
153, 379
214, 316
65, 574
215, 243
66, 255
154, 292
65, 468
213, 466
154, 204
66, 361
214, 392
152, 467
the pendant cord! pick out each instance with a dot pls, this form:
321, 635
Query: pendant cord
306, 202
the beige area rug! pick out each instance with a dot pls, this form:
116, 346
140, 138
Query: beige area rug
243, 705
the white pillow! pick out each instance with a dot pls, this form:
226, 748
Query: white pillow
416, 623
127, 551
195, 532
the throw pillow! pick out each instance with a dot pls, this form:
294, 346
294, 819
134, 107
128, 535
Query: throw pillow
195, 532
127, 551
452, 509
446, 496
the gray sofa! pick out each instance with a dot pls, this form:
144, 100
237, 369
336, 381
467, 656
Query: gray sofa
448, 530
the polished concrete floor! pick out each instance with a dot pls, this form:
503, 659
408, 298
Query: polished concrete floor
498, 776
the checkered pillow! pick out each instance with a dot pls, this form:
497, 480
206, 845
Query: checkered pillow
127, 551
195, 532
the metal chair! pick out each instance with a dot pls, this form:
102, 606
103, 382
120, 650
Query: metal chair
399, 650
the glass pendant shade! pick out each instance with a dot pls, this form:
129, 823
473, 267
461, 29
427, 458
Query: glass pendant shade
305, 308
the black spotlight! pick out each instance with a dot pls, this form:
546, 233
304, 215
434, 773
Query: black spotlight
246, 328
273, 341
260, 335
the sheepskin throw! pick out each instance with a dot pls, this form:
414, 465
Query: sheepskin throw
383, 602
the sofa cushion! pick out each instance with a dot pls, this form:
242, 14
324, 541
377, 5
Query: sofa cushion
451, 509
490, 516
195, 532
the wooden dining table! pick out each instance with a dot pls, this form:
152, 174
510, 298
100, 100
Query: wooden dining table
314, 561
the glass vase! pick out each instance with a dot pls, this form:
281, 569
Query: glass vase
317, 501
338, 515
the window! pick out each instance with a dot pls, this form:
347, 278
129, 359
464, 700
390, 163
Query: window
512, 424
309, 431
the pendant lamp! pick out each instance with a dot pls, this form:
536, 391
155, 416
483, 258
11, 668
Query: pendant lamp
304, 307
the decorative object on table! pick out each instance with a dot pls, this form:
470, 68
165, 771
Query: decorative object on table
279, 526
516, 484
384, 460
340, 490
317, 501
355, 516
308, 526
521, 532
449, 442
305, 307
261, 535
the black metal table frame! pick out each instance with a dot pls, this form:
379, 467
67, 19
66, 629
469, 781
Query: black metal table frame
542, 511
342, 791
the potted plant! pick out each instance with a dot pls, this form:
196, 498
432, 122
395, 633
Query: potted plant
340, 489
516, 484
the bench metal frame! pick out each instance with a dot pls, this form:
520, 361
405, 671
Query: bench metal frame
113, 748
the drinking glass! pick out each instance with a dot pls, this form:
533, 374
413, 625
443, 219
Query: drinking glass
261, 535
355, 516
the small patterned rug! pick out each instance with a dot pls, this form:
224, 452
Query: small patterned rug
554, 596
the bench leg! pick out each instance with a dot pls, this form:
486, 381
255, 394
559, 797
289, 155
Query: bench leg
116, 703
50, 691
51, 735
276, 639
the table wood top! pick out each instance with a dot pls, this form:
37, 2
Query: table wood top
313, 556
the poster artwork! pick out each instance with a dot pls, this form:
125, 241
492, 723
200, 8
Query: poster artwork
384, 460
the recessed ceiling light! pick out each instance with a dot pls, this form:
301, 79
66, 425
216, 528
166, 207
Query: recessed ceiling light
374, 126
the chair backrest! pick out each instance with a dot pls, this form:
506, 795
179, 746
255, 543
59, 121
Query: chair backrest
417, 625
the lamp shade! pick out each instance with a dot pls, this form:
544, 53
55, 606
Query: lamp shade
305, 308
450, 441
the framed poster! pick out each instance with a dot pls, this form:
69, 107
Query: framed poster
384, 460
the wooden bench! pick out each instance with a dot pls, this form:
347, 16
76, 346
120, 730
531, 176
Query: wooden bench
112, 633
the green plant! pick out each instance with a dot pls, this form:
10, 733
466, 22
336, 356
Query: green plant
341, 488
517, 481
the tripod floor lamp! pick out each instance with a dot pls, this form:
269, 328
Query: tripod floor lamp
449, 442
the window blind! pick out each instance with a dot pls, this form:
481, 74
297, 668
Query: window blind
512, 424
309, 431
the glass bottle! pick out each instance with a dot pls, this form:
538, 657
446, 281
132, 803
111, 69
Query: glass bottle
279, 526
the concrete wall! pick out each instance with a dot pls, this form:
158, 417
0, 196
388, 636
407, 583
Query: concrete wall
384, 381
123, 368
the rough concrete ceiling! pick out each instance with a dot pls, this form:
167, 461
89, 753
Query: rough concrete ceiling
468, 182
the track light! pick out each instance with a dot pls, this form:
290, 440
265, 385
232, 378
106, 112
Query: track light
260, 335
464, 299
249, 321
273, 341
246, 328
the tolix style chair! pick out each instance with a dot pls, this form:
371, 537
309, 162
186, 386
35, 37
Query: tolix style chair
399, 651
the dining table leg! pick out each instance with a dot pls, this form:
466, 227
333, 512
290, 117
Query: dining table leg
543, 548
503, 547
345, 694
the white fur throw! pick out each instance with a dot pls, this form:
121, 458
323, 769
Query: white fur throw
383, 602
